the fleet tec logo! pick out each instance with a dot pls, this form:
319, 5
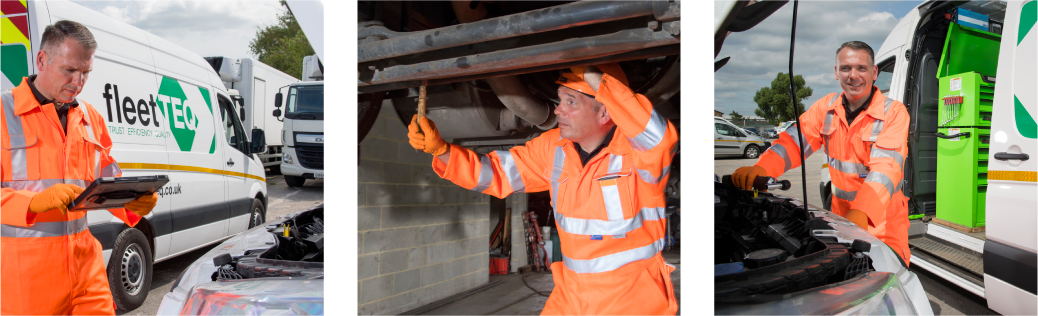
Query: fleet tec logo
182, 120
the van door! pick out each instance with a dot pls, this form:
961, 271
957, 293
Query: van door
17, 30
199, 209
727, 139
237, 163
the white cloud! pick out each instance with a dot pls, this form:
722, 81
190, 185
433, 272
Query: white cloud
877, 17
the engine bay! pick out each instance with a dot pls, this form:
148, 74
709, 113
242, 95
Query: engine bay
297, 251
767, 245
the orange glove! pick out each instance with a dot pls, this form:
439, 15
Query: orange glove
57, 197
744, 176
858, 218
426, 138
143, 205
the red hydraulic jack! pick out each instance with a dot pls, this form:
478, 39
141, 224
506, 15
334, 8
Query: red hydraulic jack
533, 235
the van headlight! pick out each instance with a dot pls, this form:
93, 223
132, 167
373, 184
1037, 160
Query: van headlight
286, 158
873, 293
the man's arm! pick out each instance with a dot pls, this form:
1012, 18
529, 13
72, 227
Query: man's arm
785, 153
499, 173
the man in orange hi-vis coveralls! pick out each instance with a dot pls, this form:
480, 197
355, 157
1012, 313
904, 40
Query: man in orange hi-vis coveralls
606, 167
53, 145
865, 135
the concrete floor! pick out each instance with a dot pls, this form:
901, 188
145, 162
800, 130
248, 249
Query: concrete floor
513, 297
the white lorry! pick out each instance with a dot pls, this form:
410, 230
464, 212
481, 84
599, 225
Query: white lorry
255, 84
993, 254
303, 132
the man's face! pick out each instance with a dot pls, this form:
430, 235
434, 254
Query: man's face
855, 73
64, 69
577, 118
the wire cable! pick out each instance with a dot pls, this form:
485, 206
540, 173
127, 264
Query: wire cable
796, 109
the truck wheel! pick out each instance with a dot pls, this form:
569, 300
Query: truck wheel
827, 204
752, 151
129, 270
258, 215
294, 181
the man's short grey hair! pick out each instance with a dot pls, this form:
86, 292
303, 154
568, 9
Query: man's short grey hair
857, 46
55, 34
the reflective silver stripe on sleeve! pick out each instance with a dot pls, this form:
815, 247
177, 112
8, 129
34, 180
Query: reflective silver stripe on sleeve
781, 151
44, 229
614, 261
39, 185
648, 178
579, 226
849, 196
886, 105
19, 158
511, 170
97, 151
877, 177
486, 174
848, 167
556, 173
828, 123
652, 135
884, 153
611, 193
877, 127
112, 170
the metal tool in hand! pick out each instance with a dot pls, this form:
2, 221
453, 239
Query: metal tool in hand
762, 183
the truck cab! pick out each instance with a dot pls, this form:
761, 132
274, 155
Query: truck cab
303, 132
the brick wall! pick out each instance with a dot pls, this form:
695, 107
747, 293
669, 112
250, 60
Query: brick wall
421, 238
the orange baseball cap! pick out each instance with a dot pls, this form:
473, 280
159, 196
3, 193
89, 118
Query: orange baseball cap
575, 78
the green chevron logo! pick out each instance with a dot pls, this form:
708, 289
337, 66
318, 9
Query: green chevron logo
182, 119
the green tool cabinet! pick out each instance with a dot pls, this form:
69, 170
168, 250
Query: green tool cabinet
962, 162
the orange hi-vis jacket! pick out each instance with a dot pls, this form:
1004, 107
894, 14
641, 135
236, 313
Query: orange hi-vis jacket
610, 212
51, 264
866, 161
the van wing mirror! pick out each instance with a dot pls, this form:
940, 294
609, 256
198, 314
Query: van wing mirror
259, 142
277, 113
277, 100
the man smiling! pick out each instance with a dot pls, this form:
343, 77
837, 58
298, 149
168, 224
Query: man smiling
865, 135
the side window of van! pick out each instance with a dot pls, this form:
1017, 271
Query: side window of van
231, 126
886, 75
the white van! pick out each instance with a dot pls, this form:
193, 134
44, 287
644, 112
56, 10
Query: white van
168, 113
995, 257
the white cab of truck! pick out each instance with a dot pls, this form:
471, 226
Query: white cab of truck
256, 83
995, 257
303, 132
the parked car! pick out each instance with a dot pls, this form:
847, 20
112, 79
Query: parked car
730, 140
752, 130
770, 133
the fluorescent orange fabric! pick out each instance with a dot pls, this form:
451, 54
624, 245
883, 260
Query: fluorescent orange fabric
51, 263
610, 213
866, 161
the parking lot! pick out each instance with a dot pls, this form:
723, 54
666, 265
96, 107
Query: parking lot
283, 200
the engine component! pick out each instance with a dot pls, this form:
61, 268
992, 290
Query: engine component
764, 258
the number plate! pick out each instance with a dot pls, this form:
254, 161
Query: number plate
319, 175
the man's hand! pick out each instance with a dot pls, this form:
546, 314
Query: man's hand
858, 218
590, 74
57, 197
744, 176
143, 205
426, 138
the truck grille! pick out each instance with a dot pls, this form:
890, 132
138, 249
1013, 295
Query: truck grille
311, 157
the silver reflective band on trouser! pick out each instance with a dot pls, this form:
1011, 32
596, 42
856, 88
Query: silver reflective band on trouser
39, 185
884, 153
780, 150
652, 135
486, 174
556, 173
44, 229
511, 170
578, 226
648, 178
19, 160
877, 127
883, 179
849, 196
614, 261
97, 151
847, 167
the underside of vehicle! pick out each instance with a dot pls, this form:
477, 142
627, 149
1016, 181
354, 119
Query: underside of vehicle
297, 251
490, 67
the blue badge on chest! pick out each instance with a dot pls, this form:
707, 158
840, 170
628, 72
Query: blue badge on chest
862, 176
596, 237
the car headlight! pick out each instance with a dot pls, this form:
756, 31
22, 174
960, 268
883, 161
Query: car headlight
873, 293
257, 297
286, 158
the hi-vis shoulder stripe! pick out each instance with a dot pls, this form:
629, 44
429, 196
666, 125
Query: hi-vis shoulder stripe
158, 166
1022, 176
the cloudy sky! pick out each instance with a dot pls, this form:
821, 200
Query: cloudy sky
210, 28
759, 54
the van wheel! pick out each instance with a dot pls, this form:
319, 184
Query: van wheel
294, 181
752, 151
129, 270
258, 215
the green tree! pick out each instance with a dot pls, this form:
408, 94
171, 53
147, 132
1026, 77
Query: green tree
736, 116
773, 103
282, 45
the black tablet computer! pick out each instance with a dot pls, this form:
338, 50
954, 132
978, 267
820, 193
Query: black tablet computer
107, 193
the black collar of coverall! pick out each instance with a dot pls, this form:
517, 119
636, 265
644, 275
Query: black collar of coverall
62, 111
585, 156
852, 115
